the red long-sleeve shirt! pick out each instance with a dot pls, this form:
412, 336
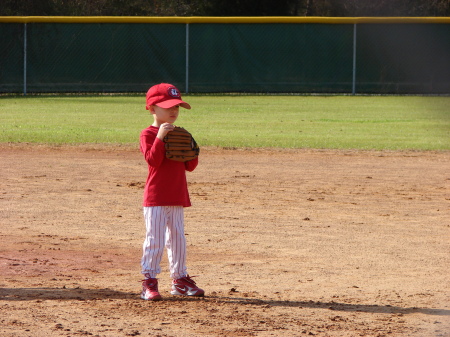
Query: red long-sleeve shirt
166, 183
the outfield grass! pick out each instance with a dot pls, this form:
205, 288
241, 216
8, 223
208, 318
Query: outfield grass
334, 122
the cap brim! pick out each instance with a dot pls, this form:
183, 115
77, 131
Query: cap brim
172, 102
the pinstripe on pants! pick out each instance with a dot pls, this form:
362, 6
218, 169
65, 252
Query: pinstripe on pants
164, 228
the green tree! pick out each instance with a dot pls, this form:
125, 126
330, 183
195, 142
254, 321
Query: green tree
378, 8
249, 8
226, 7
27, 7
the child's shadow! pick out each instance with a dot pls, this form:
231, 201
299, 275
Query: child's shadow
35, 294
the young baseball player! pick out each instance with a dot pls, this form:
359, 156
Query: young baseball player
165, 197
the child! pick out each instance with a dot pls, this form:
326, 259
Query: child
165, 196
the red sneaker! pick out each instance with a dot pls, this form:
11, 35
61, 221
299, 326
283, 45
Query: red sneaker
150, 290
186, 286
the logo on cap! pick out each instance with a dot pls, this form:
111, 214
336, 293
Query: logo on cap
173, 92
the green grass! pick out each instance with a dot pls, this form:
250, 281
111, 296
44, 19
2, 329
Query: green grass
334, 122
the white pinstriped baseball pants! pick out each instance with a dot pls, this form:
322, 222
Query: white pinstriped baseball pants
164, 228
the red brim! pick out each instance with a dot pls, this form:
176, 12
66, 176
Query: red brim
172, 102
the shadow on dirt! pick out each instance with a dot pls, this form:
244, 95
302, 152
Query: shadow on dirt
31, 294
369, 308
81, 294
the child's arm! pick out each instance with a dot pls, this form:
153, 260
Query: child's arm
153, 149
191, 164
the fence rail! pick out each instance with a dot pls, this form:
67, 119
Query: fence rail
219, 54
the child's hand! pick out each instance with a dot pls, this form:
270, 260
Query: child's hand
164, 129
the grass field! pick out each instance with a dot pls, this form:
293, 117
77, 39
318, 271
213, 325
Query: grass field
333, 122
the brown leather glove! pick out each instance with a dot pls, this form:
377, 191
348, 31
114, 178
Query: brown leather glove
180, 145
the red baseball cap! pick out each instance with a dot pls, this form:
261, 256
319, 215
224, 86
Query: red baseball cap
165, 95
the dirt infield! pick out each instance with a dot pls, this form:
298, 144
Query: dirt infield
284, 242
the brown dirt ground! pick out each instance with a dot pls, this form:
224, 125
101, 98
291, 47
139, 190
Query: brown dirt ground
285, 243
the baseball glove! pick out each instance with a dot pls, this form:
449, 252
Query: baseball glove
180, 145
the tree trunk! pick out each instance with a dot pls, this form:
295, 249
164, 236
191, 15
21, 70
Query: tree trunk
309, 10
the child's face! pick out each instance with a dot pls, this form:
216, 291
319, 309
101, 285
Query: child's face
162, 115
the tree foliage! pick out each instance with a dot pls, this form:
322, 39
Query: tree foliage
333, 8
379, 7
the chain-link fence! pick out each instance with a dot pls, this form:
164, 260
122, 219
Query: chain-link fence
224, 57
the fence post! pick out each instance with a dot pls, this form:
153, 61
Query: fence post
187, 58
354, 60
25, 59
